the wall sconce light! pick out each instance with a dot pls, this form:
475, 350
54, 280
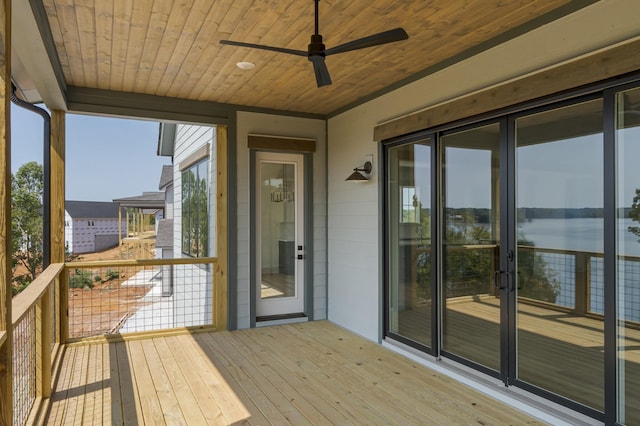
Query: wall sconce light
358, 176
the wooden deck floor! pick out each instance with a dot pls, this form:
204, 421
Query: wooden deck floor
557, 351
309, 373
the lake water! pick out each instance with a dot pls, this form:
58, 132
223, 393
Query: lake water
586, 234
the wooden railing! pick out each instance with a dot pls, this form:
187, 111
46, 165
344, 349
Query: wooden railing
579, 273
40, 321
139, 296
33, 342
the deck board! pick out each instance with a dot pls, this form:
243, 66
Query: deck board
309, 373
557, 351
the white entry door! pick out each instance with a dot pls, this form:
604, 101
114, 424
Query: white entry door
279, 234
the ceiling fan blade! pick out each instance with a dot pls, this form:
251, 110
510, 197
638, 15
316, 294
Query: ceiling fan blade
262, 47
320, 68
385, 37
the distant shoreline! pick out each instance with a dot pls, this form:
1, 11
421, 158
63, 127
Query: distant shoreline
529, 213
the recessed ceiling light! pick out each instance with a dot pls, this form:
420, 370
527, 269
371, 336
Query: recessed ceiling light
246, 65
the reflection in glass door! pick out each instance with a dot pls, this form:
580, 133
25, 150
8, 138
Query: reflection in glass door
470, 245
279, 228
536, 241
628, 256
409, 237
559, 253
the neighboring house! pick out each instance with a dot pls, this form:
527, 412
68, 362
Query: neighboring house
91, 226
188, 230
142, 213
164, 226
164, 229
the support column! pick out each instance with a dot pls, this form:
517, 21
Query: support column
57, 149
6, 374
221, 289
119, 225
57, 178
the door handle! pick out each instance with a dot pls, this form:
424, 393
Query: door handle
496, 274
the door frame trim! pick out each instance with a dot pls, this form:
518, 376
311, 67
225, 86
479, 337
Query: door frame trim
307, 161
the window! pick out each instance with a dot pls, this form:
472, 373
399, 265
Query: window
195, 218
410, 210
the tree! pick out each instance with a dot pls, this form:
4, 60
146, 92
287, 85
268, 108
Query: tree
470, 271
26, 220
535, 279
634, 214
467, 271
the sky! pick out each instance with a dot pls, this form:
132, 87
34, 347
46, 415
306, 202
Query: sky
563, 174
106, 158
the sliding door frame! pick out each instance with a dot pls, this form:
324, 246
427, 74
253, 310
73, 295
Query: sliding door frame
512, 378
434, 348
605, 90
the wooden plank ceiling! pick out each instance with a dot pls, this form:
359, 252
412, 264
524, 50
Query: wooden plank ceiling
171, 47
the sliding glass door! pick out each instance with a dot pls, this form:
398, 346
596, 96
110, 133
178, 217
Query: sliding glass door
627, 289
513, 247
409, 236
560, 239
470, 246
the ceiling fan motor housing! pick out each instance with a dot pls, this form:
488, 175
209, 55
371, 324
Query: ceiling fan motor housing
316, 47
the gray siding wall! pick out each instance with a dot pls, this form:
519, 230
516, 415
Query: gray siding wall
192, 284
253, 123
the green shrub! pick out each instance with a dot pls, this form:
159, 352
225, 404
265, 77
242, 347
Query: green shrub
112, 275
97, 278
22, 282
81, 279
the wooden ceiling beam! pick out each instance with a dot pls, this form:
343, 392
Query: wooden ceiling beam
583, 71
39, 77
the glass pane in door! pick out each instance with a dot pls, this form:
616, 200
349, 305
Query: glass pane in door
409, 237
470, 234
628, 255
277, 230
559, 255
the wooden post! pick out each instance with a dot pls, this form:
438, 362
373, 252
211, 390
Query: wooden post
64, 305
119, 225
220, 290
43, 345
57, 309
57, 179
582, 284
6, 373
57, 146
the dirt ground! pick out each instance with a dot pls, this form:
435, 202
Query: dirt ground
106, 306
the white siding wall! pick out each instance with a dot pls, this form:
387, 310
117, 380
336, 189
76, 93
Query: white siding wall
68, 231
252, 123
168, 202
192, 292
80, 234
354, 243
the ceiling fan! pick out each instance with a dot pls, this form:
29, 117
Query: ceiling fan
316, 52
